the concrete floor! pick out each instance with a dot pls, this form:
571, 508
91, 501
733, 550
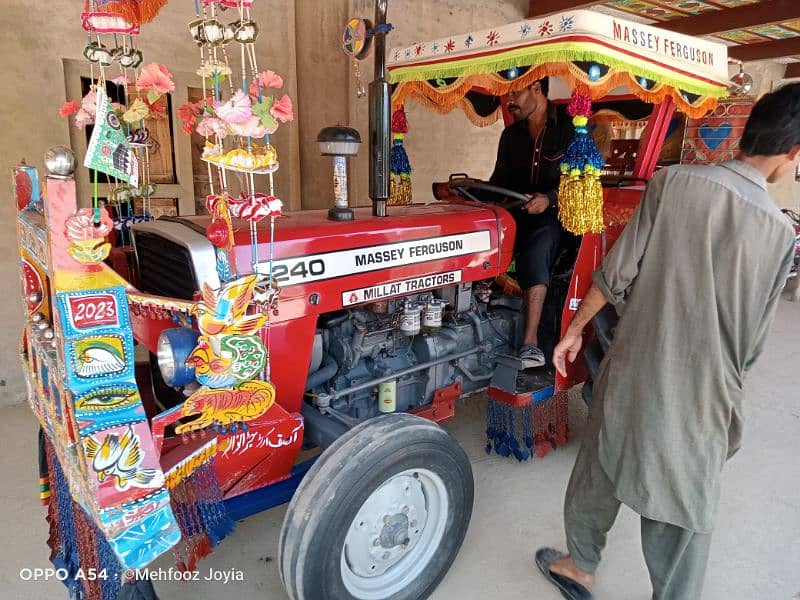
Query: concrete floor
755, 554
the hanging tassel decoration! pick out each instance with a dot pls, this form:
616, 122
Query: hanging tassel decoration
580, 193
502, 433
400, 185
44, 472
201, 515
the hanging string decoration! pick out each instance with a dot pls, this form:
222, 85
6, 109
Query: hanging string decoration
400, 183
111, 29
580, 194
200, 511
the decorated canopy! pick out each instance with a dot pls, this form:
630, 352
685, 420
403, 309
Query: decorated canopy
585, 48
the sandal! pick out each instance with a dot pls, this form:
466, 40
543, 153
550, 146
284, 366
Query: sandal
569, 588
531, 357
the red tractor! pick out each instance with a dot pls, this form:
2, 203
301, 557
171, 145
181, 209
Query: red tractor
383, 322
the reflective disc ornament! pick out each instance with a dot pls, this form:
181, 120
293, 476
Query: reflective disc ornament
357, 38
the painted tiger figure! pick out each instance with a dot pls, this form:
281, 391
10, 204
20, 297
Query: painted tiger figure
224, 407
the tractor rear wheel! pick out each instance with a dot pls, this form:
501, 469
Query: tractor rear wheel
381, 514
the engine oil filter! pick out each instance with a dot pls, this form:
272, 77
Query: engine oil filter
432, 317
410, 321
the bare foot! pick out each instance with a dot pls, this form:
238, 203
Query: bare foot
564, 566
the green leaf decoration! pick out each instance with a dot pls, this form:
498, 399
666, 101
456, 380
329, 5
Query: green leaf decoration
261, 110
152, 96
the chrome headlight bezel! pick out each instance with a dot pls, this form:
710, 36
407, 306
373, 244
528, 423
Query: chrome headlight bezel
173, 348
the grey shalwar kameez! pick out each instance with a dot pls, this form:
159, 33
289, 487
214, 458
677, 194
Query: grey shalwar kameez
699, 270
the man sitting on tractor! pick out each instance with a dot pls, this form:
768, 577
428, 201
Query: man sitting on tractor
528, 161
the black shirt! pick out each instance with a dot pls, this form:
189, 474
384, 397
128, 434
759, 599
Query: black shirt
531, 166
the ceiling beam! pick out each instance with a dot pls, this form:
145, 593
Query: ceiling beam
766, 12
540, 8
765, 50
792, 70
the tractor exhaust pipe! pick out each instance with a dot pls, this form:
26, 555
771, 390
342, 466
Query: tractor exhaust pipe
379, 135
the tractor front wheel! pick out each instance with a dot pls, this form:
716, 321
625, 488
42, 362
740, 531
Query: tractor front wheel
381, 514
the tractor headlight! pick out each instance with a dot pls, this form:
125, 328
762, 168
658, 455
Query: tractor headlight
174, 347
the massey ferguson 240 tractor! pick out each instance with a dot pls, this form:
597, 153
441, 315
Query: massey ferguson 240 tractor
351, 330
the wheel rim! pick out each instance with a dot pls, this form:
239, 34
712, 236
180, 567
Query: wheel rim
395, 534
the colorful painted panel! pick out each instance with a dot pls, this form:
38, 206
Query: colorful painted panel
645, 9
90, 311
795, 24
734, 3
34, 285
32, 239
715, 138
740, 36
94, 358
688, 6
775, 32
26, 188
80, 375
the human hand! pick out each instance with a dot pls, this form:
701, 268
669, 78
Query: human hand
567, 349
537, 204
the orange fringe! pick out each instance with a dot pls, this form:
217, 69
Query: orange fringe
444, 99
136, 13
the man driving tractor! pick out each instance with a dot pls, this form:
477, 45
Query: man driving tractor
528, 161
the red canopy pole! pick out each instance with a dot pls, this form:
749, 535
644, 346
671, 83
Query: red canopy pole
653, 139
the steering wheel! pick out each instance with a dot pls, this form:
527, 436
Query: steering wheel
461, 183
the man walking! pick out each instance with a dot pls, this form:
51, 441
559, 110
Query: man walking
698, 270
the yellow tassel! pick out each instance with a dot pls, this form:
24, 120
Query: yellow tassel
399, 190
580, 203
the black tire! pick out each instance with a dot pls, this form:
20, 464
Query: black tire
320, 515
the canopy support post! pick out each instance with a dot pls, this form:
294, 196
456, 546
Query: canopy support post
653, 139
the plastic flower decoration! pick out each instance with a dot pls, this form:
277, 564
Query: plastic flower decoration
236, 110
212, 72
137, 112
188, 112
69, 108
155, 78
264, 81
210, 126
248, 114
84, 112
250, 128
282, 109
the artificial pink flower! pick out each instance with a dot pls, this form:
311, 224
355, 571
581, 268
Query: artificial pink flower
89, 103
209, 126
250, 128
121, 80
236, 110
188, 113
265, 79
70, 107
155, 77
83, 118
282, 109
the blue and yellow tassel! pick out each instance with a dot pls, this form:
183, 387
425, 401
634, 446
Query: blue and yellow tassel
580, 193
